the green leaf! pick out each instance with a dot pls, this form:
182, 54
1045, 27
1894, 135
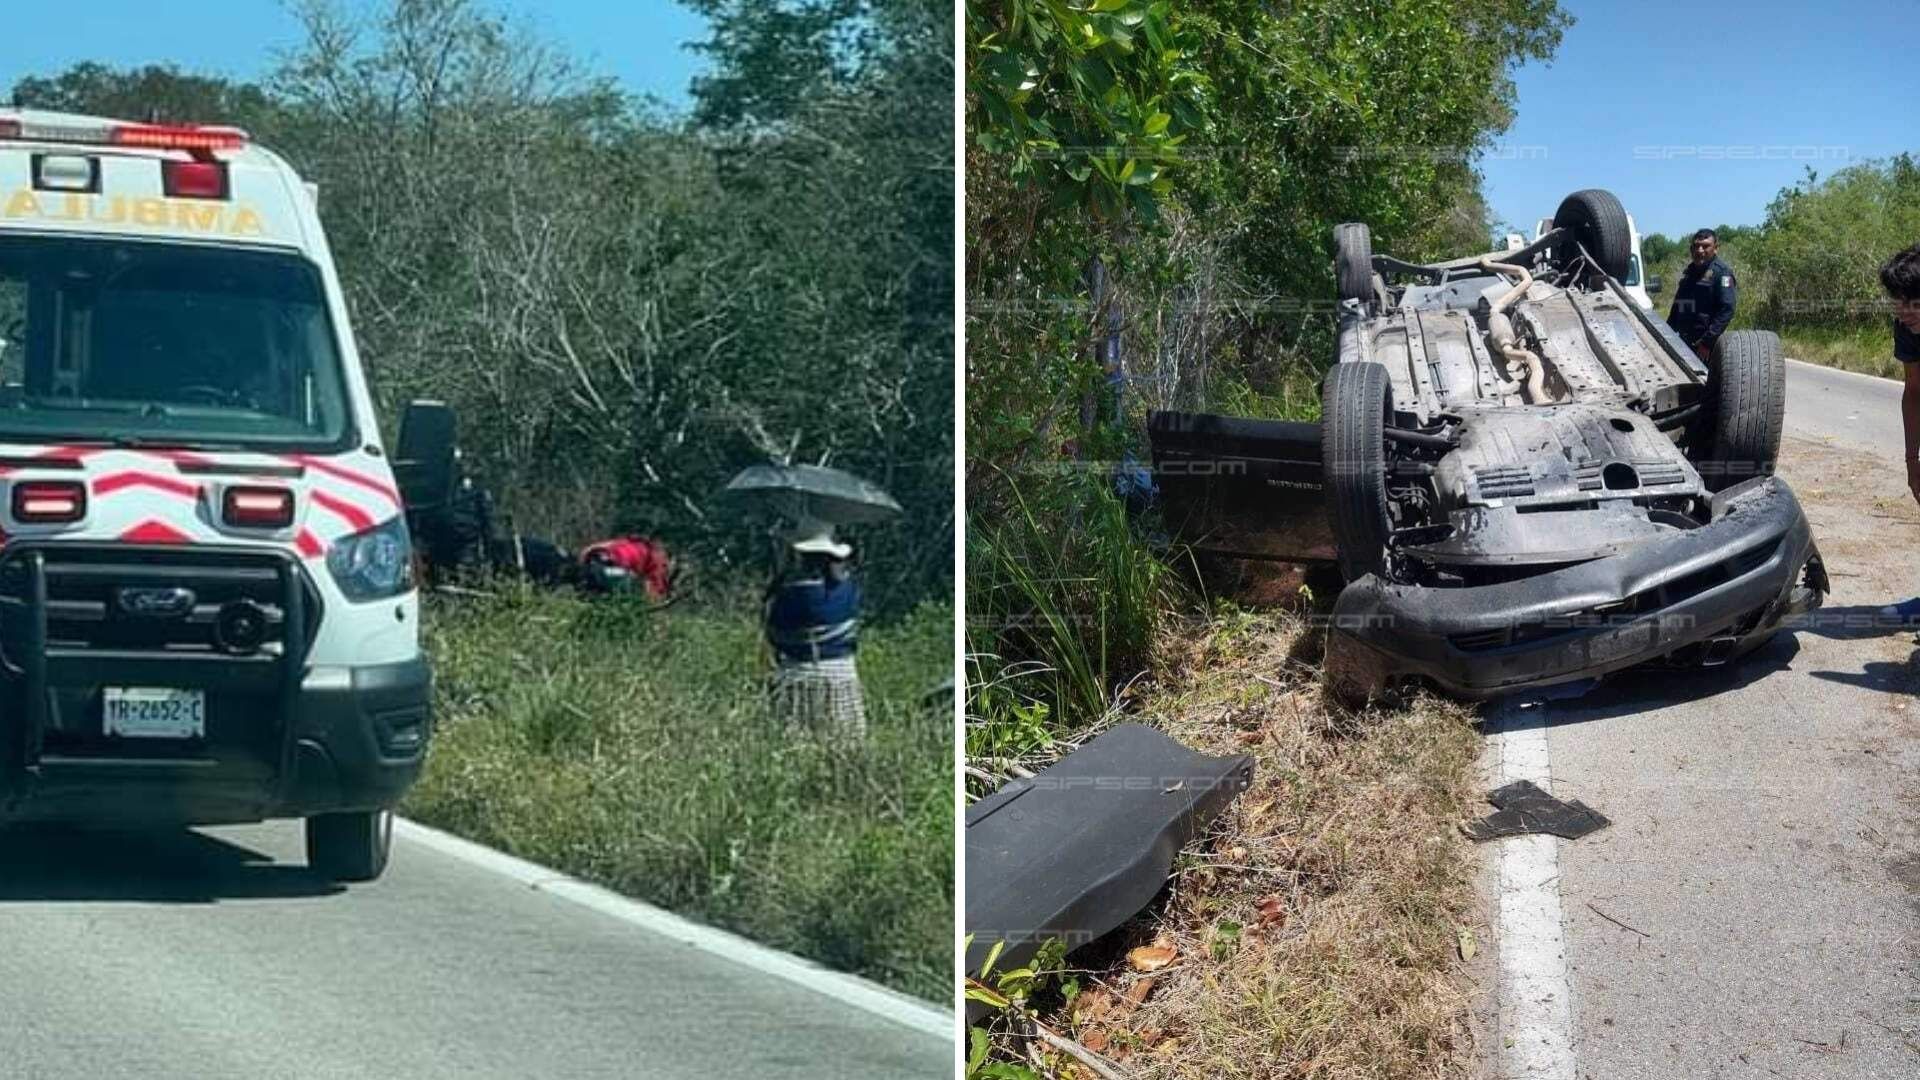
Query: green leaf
987, 997
1157, 123
1226, 935
993, 957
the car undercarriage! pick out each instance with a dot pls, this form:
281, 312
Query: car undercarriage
1525, 479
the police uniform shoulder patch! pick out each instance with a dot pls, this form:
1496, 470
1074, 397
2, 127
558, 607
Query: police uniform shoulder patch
1726, 281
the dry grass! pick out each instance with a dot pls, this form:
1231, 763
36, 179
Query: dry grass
1317, 926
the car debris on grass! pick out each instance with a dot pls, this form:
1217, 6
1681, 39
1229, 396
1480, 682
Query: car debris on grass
1317, 929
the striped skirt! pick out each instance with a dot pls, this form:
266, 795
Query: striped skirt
820, 698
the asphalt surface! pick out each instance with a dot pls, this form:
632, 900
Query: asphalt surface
215, 954
1764, 856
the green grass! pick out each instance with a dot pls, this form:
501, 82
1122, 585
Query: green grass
633, 748
1867, 349
1064, 590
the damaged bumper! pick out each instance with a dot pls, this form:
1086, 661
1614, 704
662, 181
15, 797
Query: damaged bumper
1703, 596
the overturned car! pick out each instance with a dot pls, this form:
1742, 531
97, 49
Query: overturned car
1524, 477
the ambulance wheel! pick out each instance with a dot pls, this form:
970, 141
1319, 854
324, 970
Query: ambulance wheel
1353, 261
1599, 222
351, 846
1355, 402
1748, 386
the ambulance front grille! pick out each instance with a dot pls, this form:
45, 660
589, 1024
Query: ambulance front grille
85, 584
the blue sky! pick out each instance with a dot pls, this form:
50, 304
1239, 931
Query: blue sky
636, 41
1642, 97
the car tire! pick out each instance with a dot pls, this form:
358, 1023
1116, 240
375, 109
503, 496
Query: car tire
1748, 385
1599, 222
1353, 262
352, 846
1355, 401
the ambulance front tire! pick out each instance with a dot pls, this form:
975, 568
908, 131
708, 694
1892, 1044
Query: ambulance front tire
352, 846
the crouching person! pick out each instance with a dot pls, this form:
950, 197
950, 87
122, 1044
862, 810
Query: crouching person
813, 623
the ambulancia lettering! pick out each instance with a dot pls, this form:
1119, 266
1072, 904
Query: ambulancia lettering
152, 213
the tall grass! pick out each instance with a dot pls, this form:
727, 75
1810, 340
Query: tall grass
633, 747
1866, 349
1064, 595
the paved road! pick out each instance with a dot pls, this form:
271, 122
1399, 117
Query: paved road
215, 954
1844, 409
1765, 849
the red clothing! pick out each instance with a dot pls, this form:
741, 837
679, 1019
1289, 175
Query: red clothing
644, 558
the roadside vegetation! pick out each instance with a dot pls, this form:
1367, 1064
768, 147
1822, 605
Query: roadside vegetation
1810, 270
1318, 929
626, 303
1151, 192
632, 746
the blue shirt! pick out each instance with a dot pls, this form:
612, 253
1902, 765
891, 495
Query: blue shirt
814, 619
1703, 302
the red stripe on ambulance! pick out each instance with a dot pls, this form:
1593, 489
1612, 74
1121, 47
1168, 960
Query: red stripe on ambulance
113, 482
153, 531
350, 476
355, 517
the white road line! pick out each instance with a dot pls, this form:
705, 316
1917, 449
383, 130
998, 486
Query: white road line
847, 989
1857, 376
1536, 995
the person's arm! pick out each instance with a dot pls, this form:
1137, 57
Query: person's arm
1910, 420
1725, 293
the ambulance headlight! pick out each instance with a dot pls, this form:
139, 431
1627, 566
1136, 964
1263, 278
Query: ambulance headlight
373, 564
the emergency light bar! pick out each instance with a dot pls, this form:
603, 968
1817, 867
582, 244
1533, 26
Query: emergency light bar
197, 138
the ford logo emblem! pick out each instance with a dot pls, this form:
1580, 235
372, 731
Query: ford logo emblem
154, 602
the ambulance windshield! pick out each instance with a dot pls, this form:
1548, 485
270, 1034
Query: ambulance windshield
167, 345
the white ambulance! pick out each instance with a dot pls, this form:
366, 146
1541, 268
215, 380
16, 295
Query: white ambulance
207, 607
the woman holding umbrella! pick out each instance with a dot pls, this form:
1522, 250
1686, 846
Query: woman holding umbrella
813, 605
813, 624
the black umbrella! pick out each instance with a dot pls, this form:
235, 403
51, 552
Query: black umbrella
812, 491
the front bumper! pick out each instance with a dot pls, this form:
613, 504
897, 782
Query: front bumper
355, 738
281, 736
1703, 596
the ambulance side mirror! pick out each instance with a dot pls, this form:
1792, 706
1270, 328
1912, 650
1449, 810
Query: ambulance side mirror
424, 461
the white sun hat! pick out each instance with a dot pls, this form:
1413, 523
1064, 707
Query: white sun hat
816, 538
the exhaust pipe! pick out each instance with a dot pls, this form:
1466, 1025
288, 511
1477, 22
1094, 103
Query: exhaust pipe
1501, 336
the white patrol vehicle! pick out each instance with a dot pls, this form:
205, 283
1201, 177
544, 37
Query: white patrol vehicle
1638, 286
207, 608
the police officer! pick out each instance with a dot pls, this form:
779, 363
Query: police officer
1703, 302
